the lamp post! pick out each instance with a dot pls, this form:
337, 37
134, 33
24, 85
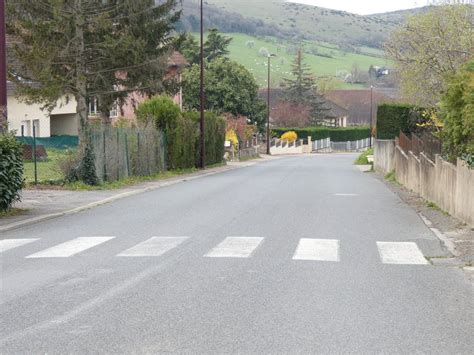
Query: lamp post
268, 104
202, 160
3, 70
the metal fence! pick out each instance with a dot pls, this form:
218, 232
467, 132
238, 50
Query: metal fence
123, 152
425, 143
351, 146
321, 144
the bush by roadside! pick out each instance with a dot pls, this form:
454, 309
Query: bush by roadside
362, 159
11, 170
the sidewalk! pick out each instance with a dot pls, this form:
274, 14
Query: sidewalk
40, 205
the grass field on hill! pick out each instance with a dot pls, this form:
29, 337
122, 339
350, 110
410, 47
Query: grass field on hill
281, 65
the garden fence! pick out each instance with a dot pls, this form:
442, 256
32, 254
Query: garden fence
123, 152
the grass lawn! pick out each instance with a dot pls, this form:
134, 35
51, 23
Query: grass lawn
48, 170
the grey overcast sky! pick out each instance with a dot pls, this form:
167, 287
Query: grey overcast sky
364, 7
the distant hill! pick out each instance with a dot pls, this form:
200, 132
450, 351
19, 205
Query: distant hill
282, 19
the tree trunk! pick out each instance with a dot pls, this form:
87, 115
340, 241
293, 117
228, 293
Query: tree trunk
81, 81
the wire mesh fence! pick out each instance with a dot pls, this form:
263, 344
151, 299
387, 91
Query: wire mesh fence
124, 152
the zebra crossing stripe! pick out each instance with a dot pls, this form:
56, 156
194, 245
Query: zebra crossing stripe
71, 247
401, 253
235, 247
317, 249
154, 246
7, 244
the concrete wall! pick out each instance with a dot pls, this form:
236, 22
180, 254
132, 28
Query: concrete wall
450, 186
384, 150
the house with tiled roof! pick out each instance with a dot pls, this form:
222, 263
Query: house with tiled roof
63, 119
358, 103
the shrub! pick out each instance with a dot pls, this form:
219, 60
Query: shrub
160, 110
458, 116
87, 173
230, 135
165, 115
393, 118
289, 136
214, 136
11, 171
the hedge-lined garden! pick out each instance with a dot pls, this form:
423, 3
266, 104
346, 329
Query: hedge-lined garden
336, 134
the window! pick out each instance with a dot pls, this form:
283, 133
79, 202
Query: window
94, 108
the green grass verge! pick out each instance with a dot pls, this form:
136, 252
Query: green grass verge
12, 212
390, 177
362, 159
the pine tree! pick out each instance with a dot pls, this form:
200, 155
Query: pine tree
216, 45
302, 90
89, 49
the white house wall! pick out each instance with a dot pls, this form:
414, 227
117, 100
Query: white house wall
21, 113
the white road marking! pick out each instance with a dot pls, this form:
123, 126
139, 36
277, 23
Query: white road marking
346, 195
7, 244
317, 249
235, 247
155, 246
71, 247
401, 253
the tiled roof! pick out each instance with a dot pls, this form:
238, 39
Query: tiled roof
177, 60
357, 103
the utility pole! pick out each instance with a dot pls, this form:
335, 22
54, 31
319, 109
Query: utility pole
371, 113
3, 70
202, 161
268, 104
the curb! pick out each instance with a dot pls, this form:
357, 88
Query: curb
119, 196
440, 235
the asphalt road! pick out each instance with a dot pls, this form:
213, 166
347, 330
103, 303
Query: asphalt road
298, 255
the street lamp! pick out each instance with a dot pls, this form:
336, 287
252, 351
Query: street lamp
202, 160
268, 105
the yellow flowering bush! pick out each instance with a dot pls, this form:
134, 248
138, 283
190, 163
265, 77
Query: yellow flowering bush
289, 136
230, 135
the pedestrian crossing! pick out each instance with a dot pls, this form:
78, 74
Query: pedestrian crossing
307, 249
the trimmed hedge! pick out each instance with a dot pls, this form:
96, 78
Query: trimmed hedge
11, 170
336, 134
181, 130
215, 127
393, 118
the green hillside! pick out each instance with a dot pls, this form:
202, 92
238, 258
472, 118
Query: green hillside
333, 26
328, 63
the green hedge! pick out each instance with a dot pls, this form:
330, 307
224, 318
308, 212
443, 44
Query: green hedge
336, 134
11, 170
215, 127
393, 118
181, 130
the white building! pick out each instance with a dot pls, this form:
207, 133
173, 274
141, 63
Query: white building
63, 120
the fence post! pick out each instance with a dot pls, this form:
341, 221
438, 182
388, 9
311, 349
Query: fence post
34, 155
127, 161
118, 154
